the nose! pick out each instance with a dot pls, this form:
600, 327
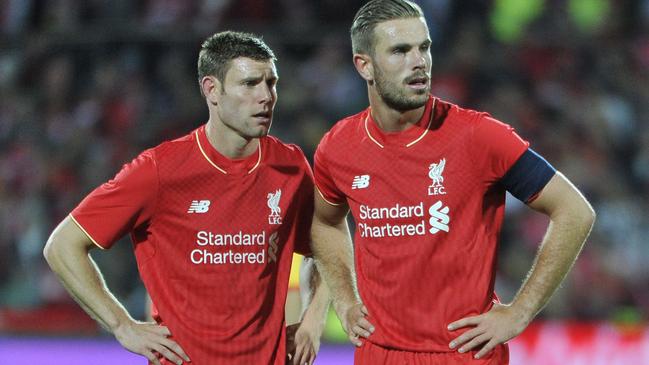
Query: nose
419, 61
266, 93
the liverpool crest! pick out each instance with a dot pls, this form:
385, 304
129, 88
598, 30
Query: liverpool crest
275, 211
435, 171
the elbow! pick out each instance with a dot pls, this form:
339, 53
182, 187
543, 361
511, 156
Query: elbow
586, 216
590, 216
51, 252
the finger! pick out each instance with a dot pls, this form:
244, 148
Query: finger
364, 310
308, 357
312, 356
175, 347
354, 339
468, 321
365, 324
163, 330
466, 336
299, 353
303, 356
361, 331
486, 348
474, 342
168, 354
152, 358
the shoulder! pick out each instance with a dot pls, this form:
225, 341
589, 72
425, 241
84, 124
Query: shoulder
344, 130
458, 114
277, 146
285, 152
176, 149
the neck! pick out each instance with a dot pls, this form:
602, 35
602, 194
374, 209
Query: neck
229, 143
392, 120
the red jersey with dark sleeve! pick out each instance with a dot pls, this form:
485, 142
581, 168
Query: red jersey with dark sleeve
213, 239
428, 209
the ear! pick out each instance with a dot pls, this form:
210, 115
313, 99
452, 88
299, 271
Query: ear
211, 88
364, 66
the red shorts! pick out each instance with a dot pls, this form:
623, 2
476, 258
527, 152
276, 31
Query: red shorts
371, 354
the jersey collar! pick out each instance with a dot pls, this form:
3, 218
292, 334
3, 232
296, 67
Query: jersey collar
405, 138
224, 164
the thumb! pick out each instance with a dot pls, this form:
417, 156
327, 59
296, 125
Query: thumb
364, 310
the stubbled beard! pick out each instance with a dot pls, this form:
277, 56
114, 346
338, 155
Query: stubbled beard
395, 97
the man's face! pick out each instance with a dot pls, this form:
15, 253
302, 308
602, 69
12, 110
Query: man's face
248, 98
402, 62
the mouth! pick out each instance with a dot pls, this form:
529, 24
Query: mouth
417, 82
263, 117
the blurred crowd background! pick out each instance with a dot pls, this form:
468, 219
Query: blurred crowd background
87, 84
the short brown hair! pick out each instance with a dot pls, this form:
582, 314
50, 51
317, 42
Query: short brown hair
375, 12
218, 50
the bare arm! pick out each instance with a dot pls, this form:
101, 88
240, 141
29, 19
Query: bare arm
333, 253
571, 219
67, 253
314, 295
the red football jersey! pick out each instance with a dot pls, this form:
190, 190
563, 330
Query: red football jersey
213, 239
428, 209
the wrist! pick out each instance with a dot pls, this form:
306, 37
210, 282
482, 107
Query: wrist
342, 306
120, 323
523, 314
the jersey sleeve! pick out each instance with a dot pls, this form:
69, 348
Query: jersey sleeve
305, 215
322, 175
121, 204
496, 147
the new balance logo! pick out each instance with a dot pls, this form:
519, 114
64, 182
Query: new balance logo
361, 182
199, 206
438, 218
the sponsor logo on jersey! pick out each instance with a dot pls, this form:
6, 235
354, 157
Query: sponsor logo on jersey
403, 220
438, 217
199, 206
275, 211
435, 171
361, 182
238, 248
273, 246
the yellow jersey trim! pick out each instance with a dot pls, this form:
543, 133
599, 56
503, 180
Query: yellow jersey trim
205, 155
86, 232
325, 199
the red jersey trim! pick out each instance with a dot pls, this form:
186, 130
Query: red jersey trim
430, 122
86, 232
325, 199
219, 168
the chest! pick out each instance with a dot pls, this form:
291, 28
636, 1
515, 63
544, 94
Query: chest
212, 201
422, 174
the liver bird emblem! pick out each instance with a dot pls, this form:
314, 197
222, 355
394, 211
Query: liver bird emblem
436, 170
273, 203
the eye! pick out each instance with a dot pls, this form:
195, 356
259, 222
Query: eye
400, 50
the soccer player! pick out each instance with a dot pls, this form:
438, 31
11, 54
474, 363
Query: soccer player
425, 181
215, 217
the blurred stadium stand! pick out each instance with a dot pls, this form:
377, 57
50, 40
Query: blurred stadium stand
86, 85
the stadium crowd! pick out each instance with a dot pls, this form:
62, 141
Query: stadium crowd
85, 85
